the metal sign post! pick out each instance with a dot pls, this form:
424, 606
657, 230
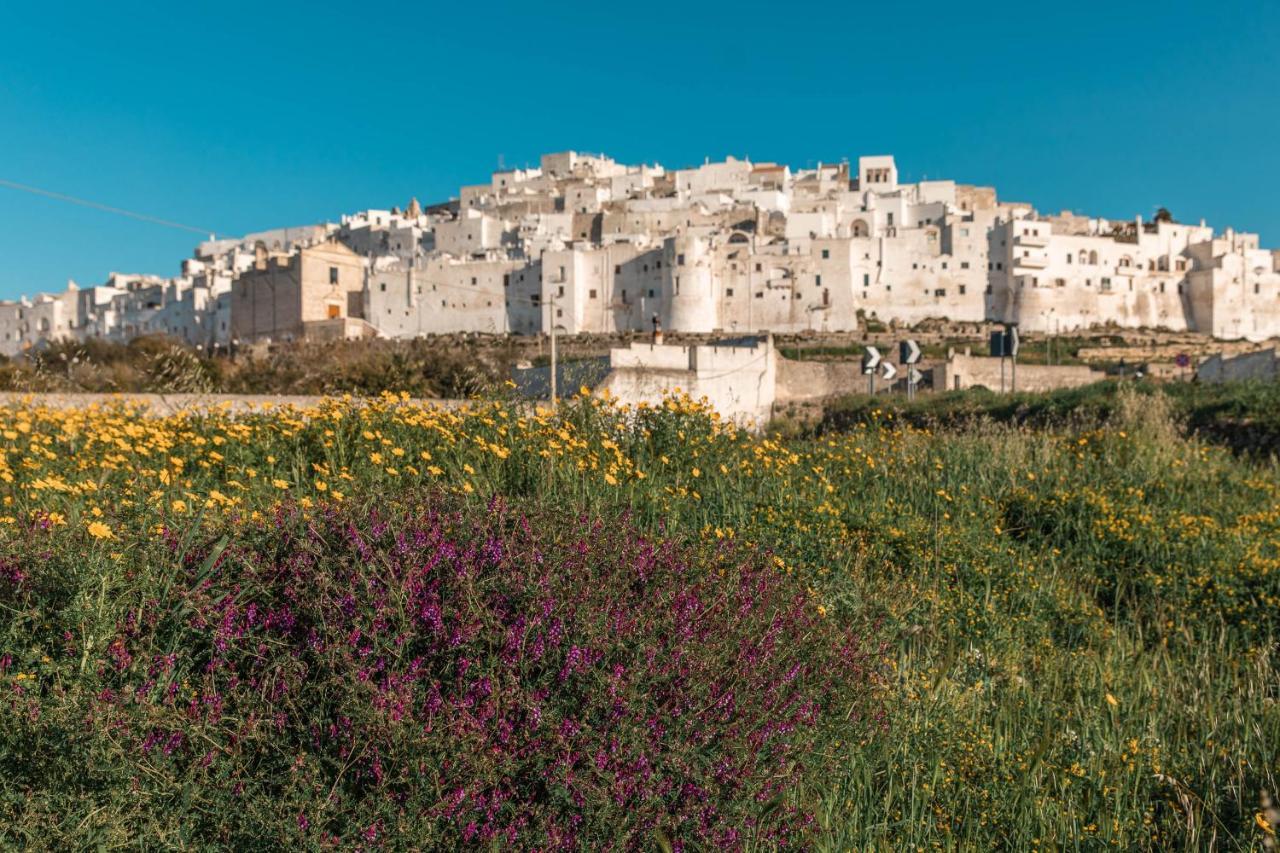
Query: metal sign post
1011, 339
909, 354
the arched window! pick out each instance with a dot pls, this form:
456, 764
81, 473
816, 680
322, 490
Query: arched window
860, 228
1093, 258
1126, 261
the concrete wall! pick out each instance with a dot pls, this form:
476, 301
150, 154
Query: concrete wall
1253, 365
969, 371
814, 380
738, 382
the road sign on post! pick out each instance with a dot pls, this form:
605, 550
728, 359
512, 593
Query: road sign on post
909, 354
870, 361
1004, 344
889, 371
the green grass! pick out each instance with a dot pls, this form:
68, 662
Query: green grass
1078, 594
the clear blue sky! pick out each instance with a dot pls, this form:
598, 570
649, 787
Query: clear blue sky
240, 117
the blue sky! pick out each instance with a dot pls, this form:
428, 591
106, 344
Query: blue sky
240, 117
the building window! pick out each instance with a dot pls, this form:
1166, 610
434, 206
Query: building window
759, 268
383, 287
559, 312
560, 290
759, 294
962, 290
826, 253
940, 293
964, 265
333, 275
506, 279
680, 260
651, 293
617, 269
728, 291
817, 280
591, 294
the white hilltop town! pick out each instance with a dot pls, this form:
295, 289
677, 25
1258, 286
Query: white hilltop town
590, 245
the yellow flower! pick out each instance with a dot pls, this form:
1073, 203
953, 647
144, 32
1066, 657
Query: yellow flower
280, 484
610, 479
321, 485
1112, 701
98, 530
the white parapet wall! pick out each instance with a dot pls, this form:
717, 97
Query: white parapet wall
738, 380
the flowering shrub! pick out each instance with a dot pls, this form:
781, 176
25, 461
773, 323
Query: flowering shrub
440, 678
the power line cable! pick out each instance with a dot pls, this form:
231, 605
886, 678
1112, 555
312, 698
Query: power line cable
107, 208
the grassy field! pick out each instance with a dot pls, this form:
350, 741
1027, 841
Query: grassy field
1075, 599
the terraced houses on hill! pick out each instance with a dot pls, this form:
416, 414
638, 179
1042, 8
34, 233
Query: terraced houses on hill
588, 244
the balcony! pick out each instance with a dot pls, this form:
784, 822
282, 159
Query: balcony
1028, 239
1034, 261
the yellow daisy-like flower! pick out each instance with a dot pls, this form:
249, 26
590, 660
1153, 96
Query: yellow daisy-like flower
98, 530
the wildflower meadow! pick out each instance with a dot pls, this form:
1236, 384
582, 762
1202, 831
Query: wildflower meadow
373, 623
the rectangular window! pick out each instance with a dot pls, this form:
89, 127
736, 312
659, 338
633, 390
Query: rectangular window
617, 269
680, 260
826, 253
506, 279
728, 291
333, 275
591, 294
866, 279
962, 290
964, 265
758, 268
473, 279
817, 280
650, 293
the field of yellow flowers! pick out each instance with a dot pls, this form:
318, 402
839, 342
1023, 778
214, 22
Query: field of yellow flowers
1077, 627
